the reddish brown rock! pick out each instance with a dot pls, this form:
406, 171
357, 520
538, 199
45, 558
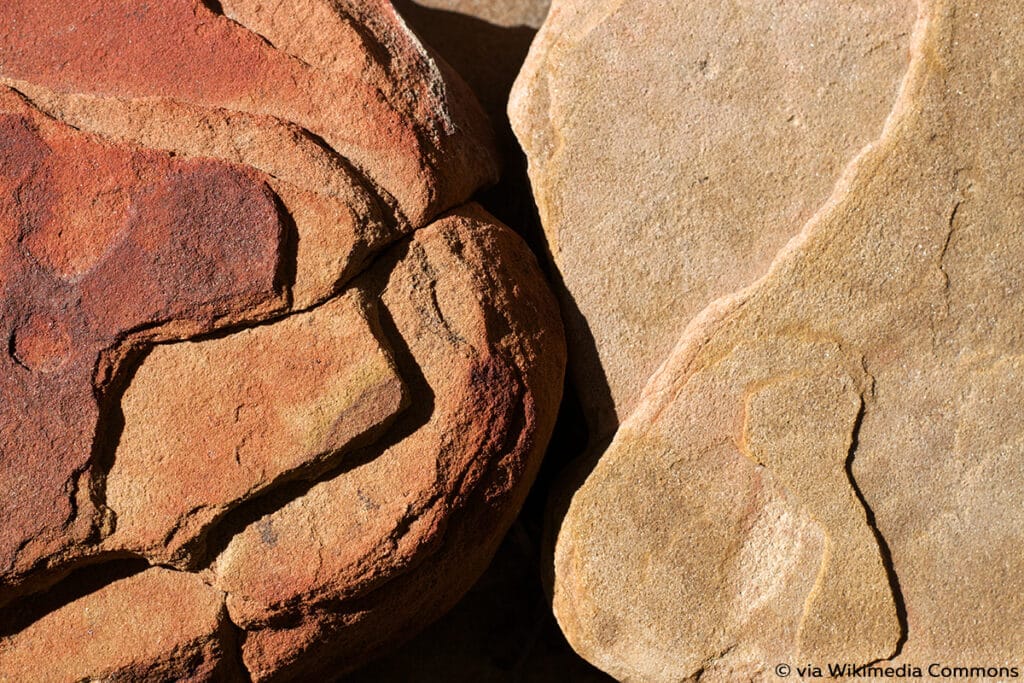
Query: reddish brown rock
108, 247
158, 625
187, 191
104, 249
394, 540
209, 424
398, 126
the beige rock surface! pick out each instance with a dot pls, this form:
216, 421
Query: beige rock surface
848, 415
675, 147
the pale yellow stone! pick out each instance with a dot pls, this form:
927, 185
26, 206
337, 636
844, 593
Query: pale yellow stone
676, 146
904, 300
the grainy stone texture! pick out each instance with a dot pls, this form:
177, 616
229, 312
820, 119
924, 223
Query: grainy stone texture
486, 42
826, 468
675, 147
212, 423
188, 192
104, 249
326, 573
158, 625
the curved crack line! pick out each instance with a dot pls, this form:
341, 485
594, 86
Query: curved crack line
883, 546
675, 371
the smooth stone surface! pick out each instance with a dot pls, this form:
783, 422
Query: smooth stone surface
675, 147
724, 530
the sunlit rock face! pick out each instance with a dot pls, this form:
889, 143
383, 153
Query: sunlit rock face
254, 334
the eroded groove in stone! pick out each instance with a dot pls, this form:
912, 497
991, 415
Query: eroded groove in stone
105, 248
323, 578
800, 427
209, 424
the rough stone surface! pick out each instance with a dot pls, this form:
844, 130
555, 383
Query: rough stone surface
675, 147
158, 625
398, 125
200, 180
486, 42
331, 573
104, 249
828, 465
211, 423
188, 192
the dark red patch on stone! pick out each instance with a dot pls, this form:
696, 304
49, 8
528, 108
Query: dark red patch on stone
180, 49
104, 249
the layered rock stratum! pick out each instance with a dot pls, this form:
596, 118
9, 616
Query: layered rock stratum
257, 346
792, 234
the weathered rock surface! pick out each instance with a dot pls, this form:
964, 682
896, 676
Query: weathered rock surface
158, 625
828, 466
675, 147
486, 42
331, 573
209, 424
104, 249
196, 180
187, 192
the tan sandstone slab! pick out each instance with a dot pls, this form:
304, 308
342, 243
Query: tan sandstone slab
725, 530
675, 147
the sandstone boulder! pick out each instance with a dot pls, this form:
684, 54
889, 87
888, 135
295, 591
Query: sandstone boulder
675, 147
828, 465
225, 296
405, 529
173, 172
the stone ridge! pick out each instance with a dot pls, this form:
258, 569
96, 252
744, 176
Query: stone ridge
325, 578
183, 51
187, 193
105, 249
734, 512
